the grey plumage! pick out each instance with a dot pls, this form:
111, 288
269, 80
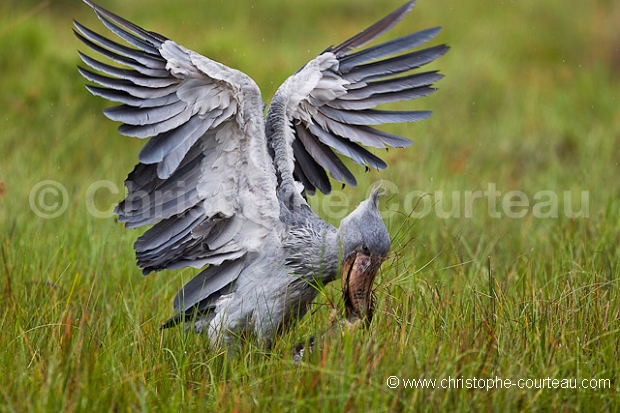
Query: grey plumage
224, 188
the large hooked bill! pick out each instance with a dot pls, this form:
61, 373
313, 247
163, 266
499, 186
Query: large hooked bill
358, 275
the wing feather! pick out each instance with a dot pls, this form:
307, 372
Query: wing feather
308, 171
347, 148
132, 75
362, 134
380, 98
127, 85
158, 147
325, 157
372, 117
389, 48
394, 65
124, 97
331, 101
205, 180
374, 31
144, 58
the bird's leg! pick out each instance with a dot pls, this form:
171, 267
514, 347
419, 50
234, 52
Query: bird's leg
300, 349
351, 321
290, 196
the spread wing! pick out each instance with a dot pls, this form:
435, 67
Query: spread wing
205, 178
331, 101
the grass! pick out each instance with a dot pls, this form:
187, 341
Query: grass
529, 103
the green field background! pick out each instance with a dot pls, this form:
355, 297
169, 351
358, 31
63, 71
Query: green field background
504, 217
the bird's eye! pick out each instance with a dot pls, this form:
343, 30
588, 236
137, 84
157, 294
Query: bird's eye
365, 249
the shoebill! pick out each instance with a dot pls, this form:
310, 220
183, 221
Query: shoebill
223, 187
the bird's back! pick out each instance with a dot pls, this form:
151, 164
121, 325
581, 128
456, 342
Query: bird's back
276, 286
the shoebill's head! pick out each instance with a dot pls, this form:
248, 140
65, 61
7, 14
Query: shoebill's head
365, 245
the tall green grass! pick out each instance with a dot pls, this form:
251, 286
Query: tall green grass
529, 103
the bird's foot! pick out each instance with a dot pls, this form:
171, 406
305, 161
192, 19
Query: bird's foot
300, 349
